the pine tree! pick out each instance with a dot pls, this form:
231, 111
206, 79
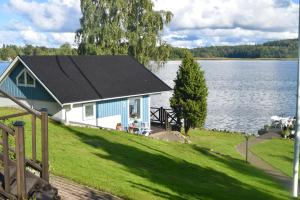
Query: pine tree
190, 94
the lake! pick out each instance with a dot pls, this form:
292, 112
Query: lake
243, 95
3, 66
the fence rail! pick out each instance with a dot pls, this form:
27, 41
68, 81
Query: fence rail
20, 162
164, 117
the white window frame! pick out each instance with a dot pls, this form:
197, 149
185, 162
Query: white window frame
141, 109
94, 111
25, 79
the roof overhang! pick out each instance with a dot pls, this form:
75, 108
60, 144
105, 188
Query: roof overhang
13, 64
121, 97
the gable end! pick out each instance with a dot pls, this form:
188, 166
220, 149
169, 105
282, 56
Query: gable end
10, 85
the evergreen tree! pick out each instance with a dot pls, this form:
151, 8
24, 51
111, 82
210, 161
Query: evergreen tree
122, 27
190, 93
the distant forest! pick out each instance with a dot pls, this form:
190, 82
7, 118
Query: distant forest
273, 49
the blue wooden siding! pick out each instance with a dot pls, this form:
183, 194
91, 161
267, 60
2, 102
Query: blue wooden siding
9, 85
146, 111
113, 107
120, 107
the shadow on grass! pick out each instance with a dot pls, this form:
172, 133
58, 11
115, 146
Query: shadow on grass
186, 180
281, 157
239, 166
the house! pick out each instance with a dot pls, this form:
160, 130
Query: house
93, 90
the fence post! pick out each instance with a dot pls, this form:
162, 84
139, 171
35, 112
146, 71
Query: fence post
20, 159
161, 115
6, 161
33, 136
44, 140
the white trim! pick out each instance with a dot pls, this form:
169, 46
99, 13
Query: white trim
13, 64
94, 111
149, 109
29, 85
25, 79
128, 118
17, 79
141, 109
121, 97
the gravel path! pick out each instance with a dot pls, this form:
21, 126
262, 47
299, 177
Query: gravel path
261, 164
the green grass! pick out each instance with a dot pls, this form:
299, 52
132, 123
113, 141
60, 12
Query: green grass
278, 153
137, 167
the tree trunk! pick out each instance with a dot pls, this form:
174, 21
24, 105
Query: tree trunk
179, 124
186, 127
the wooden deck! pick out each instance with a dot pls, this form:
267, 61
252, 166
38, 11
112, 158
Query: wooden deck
24, 177
68, 190
162, 118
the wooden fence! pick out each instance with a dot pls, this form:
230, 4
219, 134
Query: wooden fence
20, 163
164, 117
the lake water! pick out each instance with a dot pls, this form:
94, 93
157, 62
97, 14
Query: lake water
3, 66
243, 95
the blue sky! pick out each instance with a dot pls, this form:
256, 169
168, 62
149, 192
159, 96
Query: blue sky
196, 22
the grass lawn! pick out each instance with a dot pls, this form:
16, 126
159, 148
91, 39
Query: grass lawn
137, 167
278, 153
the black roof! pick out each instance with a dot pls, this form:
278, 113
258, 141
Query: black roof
84, 78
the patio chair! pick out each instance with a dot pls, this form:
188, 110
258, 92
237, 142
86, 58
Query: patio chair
145, 129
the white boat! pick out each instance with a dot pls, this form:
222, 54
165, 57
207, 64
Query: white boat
280, 122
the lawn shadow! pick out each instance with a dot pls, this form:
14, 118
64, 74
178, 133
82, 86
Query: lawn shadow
286, 158
186, 180
239, 166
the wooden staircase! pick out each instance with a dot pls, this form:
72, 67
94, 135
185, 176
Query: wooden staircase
21, 177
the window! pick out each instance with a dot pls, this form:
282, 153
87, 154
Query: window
89, 111
25, 79
29, 79
21, 79
135, 108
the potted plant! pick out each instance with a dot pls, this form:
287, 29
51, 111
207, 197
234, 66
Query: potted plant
285, 132
119, 127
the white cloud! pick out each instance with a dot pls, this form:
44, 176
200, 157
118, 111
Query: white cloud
53, 15
32, 37
61, 38
29, 36
195, 23
218, 22
50, 23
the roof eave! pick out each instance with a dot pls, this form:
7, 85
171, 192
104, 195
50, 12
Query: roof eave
120, 97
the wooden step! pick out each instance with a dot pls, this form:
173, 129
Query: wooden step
29, 184
12, 172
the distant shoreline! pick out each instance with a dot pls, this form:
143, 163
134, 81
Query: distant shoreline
246, 58
279, 59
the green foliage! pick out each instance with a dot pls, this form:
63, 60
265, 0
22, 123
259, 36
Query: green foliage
123, 27
190, 93
274, 49
11, 51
